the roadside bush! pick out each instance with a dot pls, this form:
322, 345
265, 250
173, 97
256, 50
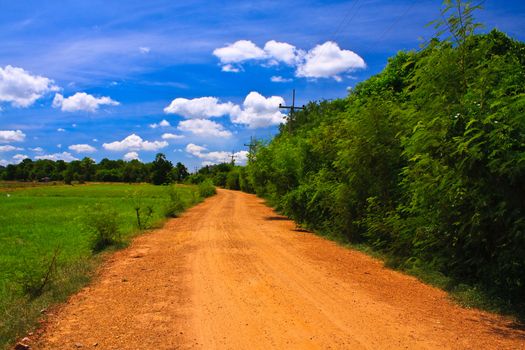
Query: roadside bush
207, 189
34, 279
232, 180
103, 224
175, 206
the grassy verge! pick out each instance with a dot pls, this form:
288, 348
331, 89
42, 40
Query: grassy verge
47, 240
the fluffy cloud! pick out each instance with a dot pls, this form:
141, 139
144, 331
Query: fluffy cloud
199, 108
162, 124
203, 127
215, 157
239, 51
22, 89
131, 155
82, 102
259, 111
7, 136
65, 156
282, 52
144, 49
9, 148
82, 148
19, 157
279, 79
328, 61
61, 130
323, 61
169, 136
37, 149
230, 68
134, 143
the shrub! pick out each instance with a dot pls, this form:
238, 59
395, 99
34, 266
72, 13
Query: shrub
176, 205
207, 189
34, 279
103, 224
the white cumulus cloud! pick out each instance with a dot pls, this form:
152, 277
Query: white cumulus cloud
162, 124
65, 156
82, 148
230, 68
134, 143
7, 136
199, 108
239, 51
203, 127
259, 111
20, 88
82, 102
215, 157
279, 79
19, 157
9, 148
169, 136
131, 155
329, 61
282, 52
144, 49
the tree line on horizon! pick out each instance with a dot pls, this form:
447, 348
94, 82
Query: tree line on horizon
158, 172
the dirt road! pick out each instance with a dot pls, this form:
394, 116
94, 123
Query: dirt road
231, 274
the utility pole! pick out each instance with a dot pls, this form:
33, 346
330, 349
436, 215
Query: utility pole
251, 148
252, 144
292, 109
232, 156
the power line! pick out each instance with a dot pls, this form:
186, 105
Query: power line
395, 22
345, 18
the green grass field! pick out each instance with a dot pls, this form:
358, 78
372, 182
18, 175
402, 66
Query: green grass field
39, 221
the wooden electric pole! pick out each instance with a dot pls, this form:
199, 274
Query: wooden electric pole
252, 144
232, 156
292, 109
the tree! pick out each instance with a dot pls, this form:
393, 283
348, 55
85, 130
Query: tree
179, 173
160, 169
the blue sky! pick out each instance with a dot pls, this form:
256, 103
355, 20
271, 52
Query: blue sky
98, 78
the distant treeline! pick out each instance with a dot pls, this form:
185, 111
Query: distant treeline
424, 161
160, 171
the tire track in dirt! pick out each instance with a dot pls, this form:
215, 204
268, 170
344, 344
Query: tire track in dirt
231, 274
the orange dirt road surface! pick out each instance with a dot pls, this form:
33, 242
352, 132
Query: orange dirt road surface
231, 274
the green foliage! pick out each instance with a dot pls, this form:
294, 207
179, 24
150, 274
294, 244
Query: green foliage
159, 172
206, 189
35, 279
102, 223
176, 205
424, 162
161, 168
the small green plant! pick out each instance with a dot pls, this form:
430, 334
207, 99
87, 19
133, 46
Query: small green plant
207, 189
175, 206
103, 224
143, 212
36, 279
